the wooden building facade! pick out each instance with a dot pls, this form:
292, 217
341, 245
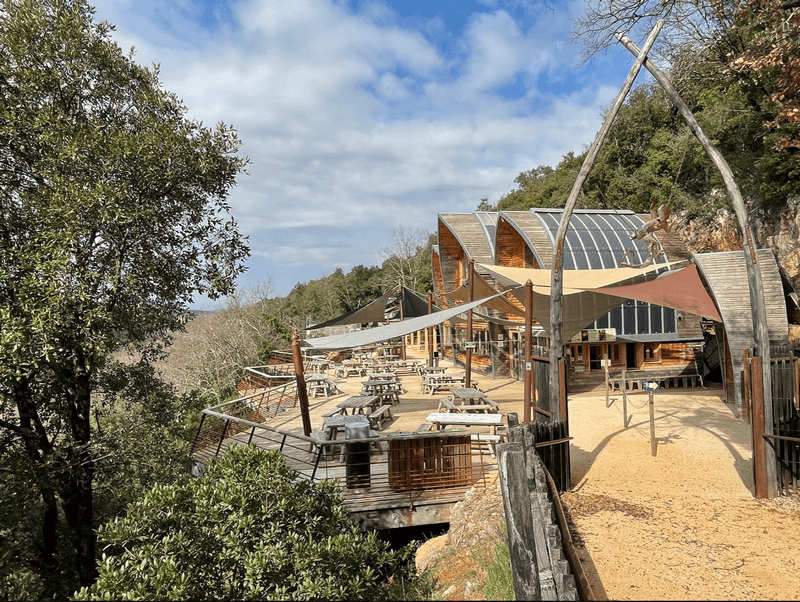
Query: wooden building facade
635, 335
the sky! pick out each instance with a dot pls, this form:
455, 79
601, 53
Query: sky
362, 118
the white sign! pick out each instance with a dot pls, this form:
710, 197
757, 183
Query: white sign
469, 345
606, 363
528, 366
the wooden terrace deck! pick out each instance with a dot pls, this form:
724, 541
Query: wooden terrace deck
385, 503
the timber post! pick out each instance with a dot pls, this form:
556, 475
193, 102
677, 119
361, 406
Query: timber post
528, 384
400, 298
557, 273
468, 350
760, 446
757, 306
429, 334
302, 392
653, 445
519, 521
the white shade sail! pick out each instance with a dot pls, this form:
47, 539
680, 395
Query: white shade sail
360, 338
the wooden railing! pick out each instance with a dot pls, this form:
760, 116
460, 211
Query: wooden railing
398, 470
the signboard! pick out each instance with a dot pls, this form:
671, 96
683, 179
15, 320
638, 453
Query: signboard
605, 363
469, 345
528, 366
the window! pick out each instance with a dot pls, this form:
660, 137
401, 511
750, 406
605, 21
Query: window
652, 352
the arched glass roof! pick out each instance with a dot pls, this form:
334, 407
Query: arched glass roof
596, 239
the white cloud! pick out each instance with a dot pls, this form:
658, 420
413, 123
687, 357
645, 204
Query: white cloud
356, 124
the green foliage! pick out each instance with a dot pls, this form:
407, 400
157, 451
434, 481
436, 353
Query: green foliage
247, 529
113, 216
142, 433
500, 581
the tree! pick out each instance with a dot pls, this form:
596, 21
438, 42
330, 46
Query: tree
772, 58
409, 261
210, 355
249, 528
689, 25
113, 215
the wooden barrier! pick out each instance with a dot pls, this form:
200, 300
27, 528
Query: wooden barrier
544, 563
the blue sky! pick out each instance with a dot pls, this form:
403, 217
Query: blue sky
361, 118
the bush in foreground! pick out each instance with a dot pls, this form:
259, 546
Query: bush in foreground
247, 529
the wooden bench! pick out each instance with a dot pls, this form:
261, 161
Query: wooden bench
379, 415
445, 405
487, 442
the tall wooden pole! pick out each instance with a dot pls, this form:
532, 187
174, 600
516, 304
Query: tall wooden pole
430, 330
757, 306
468, 351
557, 274
302, 392
528, 384
400, 297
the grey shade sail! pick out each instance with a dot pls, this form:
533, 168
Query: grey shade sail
370, 336
372, 312
414, 305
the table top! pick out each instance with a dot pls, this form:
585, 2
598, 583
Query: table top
465, 419
359, 401
340, 420
379, 382
434, 368
315, 377
467, 393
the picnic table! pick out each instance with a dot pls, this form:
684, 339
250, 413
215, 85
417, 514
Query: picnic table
473, 400
478, 402
334, 424
444, 419
357, 403
382, 376
318, 366
320, 383
350, 368
387, 390
434, 382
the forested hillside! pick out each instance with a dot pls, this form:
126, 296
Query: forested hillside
739, 76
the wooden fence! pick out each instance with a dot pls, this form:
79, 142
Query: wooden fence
783, 434
544, 563
786, 420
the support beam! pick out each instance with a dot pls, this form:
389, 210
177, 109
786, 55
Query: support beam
528, 381
557, 274
757, 306
429, 334
468, 351
302, 392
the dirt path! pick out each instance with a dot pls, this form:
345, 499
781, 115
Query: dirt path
680, 525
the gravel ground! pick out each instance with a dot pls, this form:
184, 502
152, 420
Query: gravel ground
680, 525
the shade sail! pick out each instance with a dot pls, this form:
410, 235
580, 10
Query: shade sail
370, 336
574, 281
579, 309
682, 290
481, 288
581, 302
414, 305
372, 312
